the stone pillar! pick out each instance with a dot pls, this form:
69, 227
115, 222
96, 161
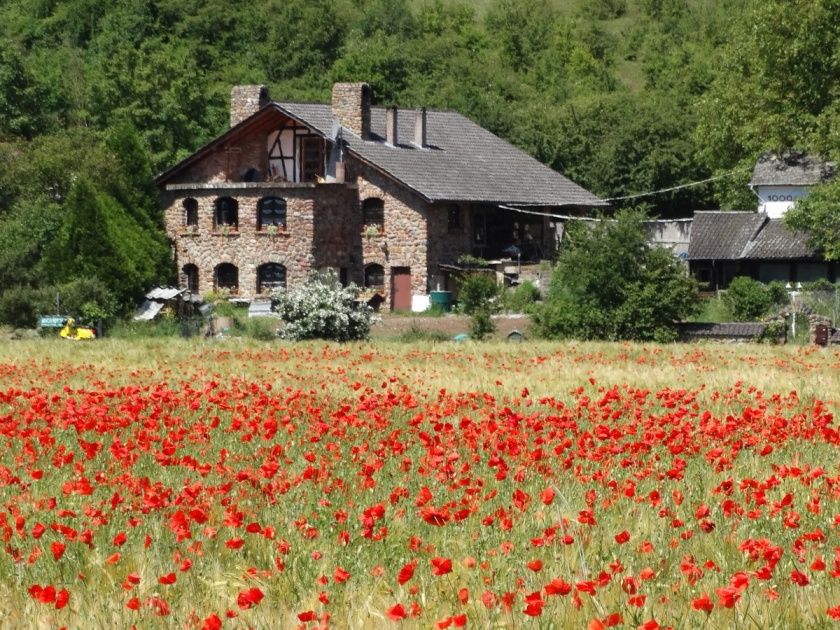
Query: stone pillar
351, 107
246, 100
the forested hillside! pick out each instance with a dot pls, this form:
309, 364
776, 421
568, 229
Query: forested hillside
623, 96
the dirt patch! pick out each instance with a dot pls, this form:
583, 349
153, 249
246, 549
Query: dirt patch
393, 326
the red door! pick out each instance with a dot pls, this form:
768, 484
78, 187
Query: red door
400, 289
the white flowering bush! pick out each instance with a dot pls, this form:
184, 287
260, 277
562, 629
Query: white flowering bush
323, 309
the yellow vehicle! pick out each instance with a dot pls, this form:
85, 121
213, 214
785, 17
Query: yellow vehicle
76, 333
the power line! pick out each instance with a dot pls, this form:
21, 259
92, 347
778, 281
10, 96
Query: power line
568, 217
680, 187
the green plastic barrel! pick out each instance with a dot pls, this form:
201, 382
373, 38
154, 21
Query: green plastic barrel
442, 299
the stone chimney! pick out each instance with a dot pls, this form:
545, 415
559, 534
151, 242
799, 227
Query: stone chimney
420, 128
351, 107
391, 127
246, 100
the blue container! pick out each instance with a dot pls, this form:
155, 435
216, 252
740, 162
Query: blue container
443, 299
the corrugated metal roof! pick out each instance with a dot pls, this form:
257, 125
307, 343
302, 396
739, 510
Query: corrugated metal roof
147, 311
261, 309
724, 330
164, 293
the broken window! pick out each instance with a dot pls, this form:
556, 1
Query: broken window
373, 212
227, 277
271, 276
271, 212
227, 212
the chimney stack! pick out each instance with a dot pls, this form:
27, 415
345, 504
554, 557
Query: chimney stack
420, 128
246, 100
391, 127
351, 107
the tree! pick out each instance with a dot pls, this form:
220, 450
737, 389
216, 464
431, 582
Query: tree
610, 284
819, 214
99, 239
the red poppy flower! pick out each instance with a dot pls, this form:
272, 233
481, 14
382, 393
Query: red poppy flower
340, 575
406, 573
441, 566
249, 598
622, 537
703, 603
397, 612
169, 578
212, 622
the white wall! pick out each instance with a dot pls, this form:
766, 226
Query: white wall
776, 200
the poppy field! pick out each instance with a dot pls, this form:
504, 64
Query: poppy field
230, 484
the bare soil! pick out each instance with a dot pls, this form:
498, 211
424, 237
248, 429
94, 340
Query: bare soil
392, 326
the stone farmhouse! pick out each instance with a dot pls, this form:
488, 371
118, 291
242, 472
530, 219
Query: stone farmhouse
388, 198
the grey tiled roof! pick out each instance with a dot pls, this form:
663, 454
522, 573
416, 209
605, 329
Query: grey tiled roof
722, 235
463, 161
745, 235
777, 241
791, 169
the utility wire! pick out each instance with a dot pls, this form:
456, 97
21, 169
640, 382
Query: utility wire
568, 217
680, 187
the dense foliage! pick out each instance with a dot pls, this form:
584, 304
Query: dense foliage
748, 300
610, 284
624, 96
323, 309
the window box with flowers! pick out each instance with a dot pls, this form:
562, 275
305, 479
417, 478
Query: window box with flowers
372, 230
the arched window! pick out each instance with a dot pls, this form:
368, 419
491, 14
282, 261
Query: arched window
373, 212
227, 277
227, 212
271, 211
271, 276
374, 276
190, 212
191, 277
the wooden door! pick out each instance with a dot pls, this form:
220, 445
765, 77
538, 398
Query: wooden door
400, 289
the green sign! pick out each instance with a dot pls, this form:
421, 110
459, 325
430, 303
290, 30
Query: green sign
52, 321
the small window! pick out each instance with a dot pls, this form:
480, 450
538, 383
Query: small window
190, 212
374, 277
227, 277
227, 212
373, 212
271, 211
454, 218
271, 276
191, 277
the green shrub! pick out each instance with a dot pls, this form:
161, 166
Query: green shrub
129, 329
521, 299
747, 299
323, 309
481, 324
477, 291
610, 284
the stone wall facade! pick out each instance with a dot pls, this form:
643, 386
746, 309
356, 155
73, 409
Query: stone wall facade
246, 247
